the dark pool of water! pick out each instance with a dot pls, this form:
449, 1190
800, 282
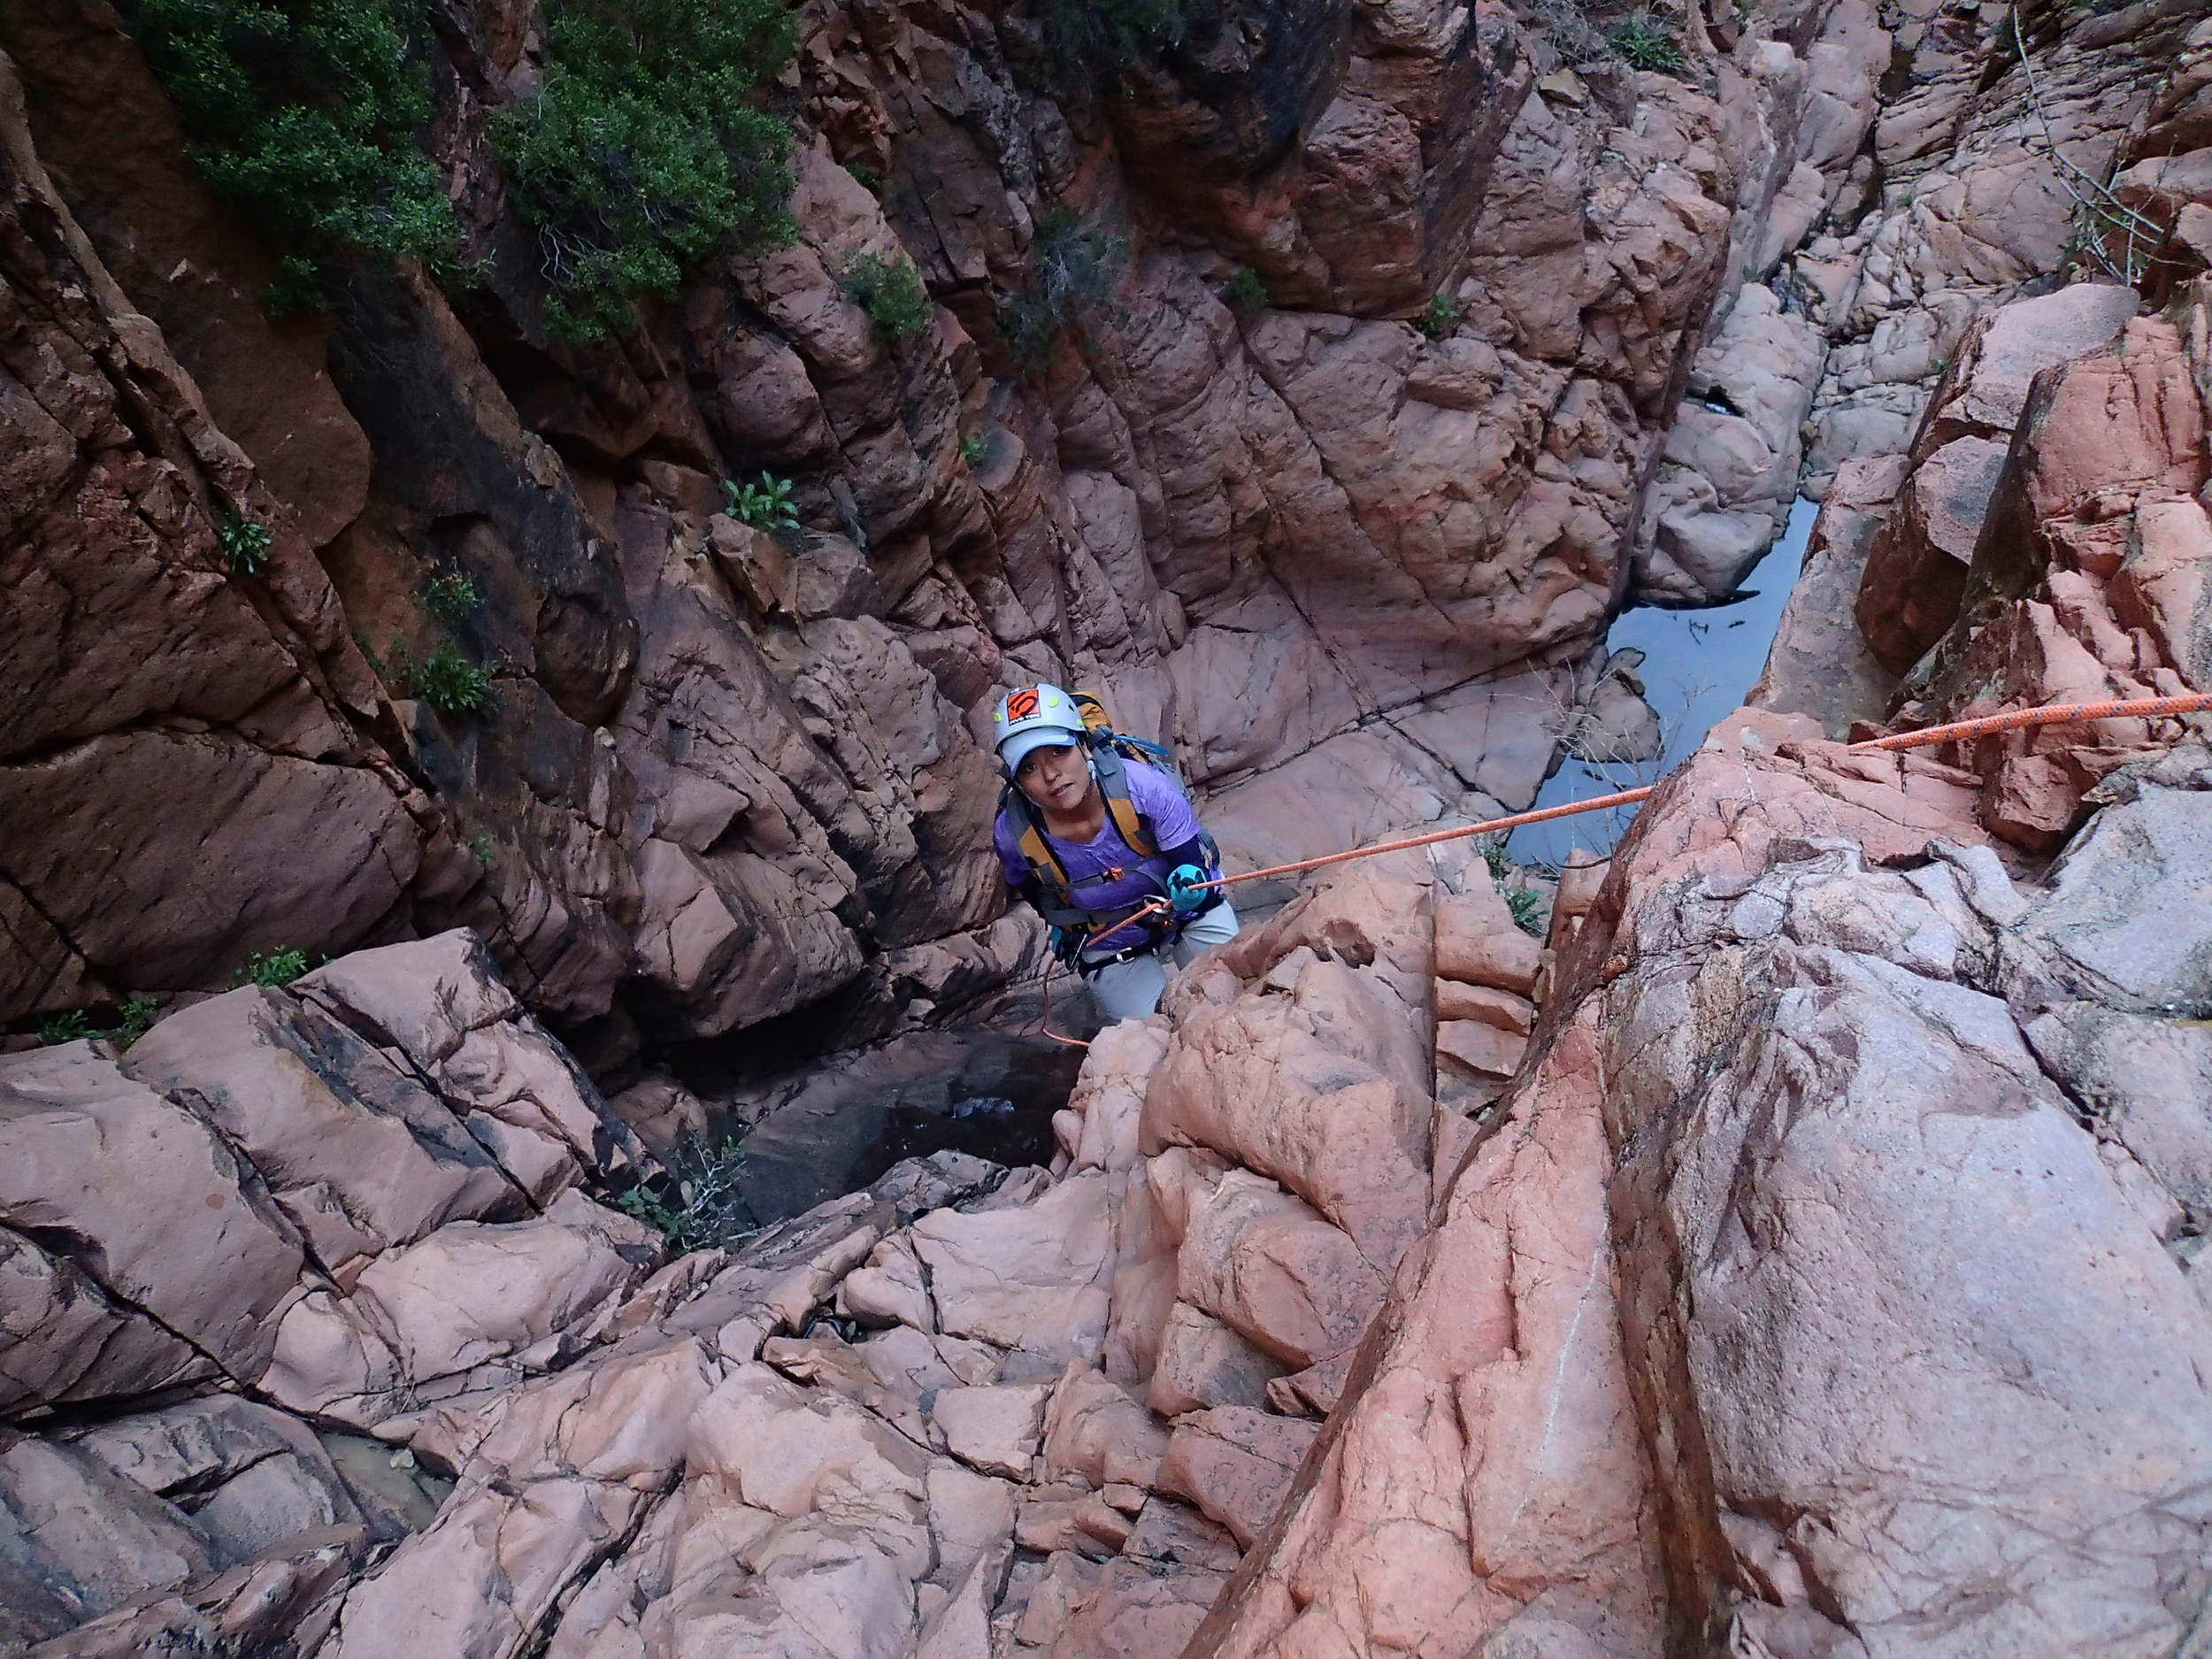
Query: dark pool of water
999, 1129
841, 1125
1697, 666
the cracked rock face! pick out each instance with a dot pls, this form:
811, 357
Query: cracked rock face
1795, 1252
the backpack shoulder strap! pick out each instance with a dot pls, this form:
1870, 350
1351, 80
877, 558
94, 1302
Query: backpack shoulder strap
1029, 841
1113, 783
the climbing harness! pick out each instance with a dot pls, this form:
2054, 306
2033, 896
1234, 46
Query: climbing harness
1927, 737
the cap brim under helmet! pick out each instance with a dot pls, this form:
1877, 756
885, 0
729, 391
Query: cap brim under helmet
1017, 748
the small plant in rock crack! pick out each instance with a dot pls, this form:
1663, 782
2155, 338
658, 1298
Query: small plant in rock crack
1493, 858
483, 849
134, 1018
445, 680
709, 1213
890, 291
1244, 293
274, 967
1644, 43
972, 449
245, 544
70, 1025
1440, 318
450, 597
765, 504
1526, 905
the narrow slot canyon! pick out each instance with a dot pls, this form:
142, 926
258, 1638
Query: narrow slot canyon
531, 1125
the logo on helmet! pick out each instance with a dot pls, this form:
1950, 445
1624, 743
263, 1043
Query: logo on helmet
1021, 704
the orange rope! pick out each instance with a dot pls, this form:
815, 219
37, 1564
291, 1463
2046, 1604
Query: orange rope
1626, 797
2055, 714
1044, 1018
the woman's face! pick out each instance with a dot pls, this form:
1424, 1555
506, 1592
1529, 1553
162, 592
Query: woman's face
1055, 777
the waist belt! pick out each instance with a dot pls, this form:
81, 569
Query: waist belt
1158, 931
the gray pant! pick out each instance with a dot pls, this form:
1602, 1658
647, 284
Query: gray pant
1132, 989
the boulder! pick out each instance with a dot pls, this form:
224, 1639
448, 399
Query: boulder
1235, 1464
473, 1296
76, 1539
993, 1430
251, 1478
157, 1216
1477, 943
357, 1152
1919, 1193
1096, 1430
1263, 1263
1028, 1280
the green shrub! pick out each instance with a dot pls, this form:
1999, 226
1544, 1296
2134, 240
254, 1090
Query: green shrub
764, 505
451, 596
1073, 269
1493, 851
70, 1025
245, 544
1644, 43
1244, 293
710, 1212
484, 848
1526, 907
135, 1018
276, 967
304, 116
1440, 318
1104, 39
646, 152
972, 449
445, 680
891, 292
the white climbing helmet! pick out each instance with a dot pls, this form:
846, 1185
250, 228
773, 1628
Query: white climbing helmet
1034, 716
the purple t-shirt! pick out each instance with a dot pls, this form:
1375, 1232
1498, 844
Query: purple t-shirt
1166, 813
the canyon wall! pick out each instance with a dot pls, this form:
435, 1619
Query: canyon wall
1790, 1254
1354, 570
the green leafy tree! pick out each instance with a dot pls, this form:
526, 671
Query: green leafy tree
709, 1211
445, 680
66, 1026
646, 150
1526, 907
305, 115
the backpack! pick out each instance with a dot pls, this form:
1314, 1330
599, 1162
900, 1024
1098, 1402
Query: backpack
1108, 749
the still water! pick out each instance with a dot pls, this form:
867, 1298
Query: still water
1697, 666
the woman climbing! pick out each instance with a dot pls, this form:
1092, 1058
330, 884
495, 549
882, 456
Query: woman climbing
1098, 834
